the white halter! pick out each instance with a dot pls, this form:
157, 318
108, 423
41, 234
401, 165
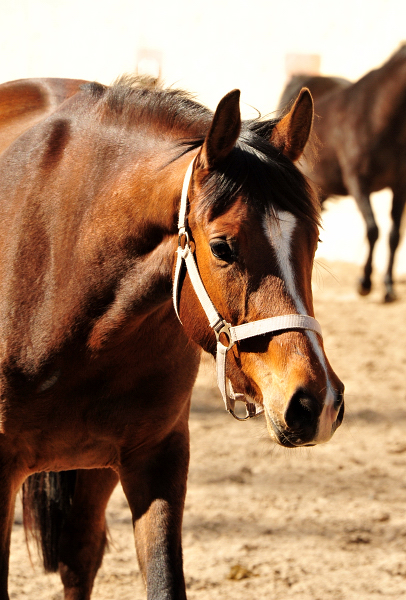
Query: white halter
236, 333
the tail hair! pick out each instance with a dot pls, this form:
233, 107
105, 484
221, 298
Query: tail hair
47, 499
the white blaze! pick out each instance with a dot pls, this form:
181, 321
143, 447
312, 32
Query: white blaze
279, 231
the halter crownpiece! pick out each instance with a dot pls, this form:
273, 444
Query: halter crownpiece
236, 333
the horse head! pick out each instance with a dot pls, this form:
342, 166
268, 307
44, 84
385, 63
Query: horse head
252, 227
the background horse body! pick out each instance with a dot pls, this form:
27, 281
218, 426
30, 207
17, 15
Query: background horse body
96, 370
360, 135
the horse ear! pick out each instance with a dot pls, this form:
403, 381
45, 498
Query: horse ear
292, 132
224, 130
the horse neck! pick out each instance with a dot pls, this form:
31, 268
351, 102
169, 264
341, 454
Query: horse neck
145, 288
119, 267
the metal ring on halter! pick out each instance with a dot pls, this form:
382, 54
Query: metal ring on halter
226, 330
250, 407
251, 411
247, 416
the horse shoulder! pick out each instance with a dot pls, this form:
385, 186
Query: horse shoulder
142, 291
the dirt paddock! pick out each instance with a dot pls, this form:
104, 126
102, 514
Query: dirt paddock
265, 522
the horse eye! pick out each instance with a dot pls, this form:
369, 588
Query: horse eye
222, 250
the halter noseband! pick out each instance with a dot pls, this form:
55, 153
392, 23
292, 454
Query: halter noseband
184, 255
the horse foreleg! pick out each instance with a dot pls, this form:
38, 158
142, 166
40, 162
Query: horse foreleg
83, 538
398, 205
10, 484
156, 492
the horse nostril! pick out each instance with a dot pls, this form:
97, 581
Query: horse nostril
338, 400
340, 415
301, 416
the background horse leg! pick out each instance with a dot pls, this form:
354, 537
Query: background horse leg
364, 204
83, 538
398, 205
156, 491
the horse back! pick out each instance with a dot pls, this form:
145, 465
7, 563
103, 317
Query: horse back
319, 85
377, 101
24, 102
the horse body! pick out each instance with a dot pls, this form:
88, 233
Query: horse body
96, 370
362, 133
73, 340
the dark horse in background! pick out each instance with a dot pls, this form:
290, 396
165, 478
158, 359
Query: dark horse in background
96, 369
359, 134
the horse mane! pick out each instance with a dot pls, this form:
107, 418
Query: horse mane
133, 99
254, 168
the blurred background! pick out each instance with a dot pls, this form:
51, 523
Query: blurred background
206, 47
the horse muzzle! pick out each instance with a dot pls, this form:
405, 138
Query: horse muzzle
304, 422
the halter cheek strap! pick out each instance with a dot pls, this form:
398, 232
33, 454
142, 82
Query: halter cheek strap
223, 329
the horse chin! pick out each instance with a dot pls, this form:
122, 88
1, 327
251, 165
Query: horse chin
277, 432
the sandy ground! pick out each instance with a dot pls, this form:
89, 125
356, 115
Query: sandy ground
326, 523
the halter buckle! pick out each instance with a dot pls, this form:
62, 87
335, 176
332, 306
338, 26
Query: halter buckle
183, 239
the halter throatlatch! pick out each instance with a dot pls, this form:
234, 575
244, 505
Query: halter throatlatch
233, 334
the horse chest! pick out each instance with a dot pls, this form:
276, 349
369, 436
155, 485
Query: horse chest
79, 417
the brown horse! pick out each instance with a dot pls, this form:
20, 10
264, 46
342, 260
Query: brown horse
361, 133
96, 368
